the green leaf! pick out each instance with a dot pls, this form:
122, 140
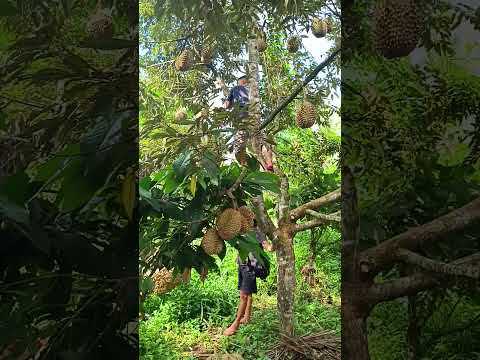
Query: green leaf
146, 284
265, 180
7, 8
13, 211
212, 169
145, 183
170, 184
454, 156
193, 184
182, 164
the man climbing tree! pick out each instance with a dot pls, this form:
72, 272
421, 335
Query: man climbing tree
239, 98
247, 284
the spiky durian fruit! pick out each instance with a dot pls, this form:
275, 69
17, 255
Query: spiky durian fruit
293, 44
164, 281
398, 27
247, 219
229, 223
306, 115
100, 25
184, 61
180, 115
212, 243
206, 54
319, 27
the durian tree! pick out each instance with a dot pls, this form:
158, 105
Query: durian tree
183, 199
410, 176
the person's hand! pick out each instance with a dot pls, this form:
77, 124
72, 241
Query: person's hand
267, 245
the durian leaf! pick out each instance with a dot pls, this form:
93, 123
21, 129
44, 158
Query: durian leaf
265, 180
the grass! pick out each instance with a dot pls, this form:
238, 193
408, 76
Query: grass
192, 317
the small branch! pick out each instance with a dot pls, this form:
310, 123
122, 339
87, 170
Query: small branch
229, 192
410, 285
321, 219
329, 217
438, 267
299, 88
22, 102
300, 211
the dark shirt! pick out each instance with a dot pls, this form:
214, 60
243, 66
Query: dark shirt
238, 95
260, 238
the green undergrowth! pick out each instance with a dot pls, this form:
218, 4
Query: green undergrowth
192, 317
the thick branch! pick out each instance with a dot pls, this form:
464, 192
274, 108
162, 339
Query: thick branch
375, 259
299, 88
438, 267
300, 211
264, 222
410, 285
284, 204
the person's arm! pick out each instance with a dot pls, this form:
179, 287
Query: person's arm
229, 102
267, 245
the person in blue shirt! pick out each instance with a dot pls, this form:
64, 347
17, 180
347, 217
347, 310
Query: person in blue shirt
238, 98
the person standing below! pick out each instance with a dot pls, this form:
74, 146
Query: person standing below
239, 97
247, 284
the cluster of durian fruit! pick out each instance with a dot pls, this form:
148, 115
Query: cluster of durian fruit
230, 223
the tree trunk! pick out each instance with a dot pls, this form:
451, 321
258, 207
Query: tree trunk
354, 310
354, 332
412, 332
254, 98
285, 283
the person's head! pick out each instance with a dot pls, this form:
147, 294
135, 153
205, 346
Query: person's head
242, 80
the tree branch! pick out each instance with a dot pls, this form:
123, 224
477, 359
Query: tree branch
375, 259
329, 217
300, 211
284, 204
438, 267
236, 184
264, 222
410, 285
299, 88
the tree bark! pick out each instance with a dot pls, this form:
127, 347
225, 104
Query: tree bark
285, 282
354, 309
254, 99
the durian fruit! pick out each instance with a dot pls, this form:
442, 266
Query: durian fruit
100, 24
164, 281
184, 61
180, 115
319, 27
261, 43
241, 156
306, 115
293, 44
247, 219
398, 27
206, 55
229, 223
211, 242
